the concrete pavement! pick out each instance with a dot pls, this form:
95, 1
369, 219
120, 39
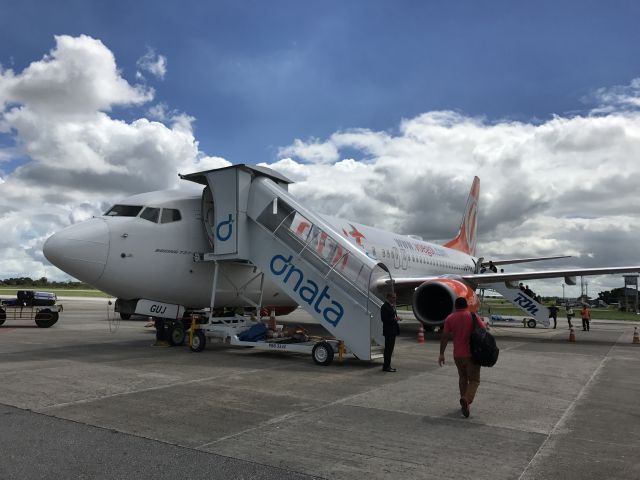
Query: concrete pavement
89, 398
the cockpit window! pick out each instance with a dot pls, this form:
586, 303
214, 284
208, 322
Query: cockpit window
123, 211
151, 214
170, 215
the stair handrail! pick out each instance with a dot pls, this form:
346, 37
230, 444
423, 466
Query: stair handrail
316, 221
279, 192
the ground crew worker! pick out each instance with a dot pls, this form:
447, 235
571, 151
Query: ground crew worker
585, 313
160, 334
569, 314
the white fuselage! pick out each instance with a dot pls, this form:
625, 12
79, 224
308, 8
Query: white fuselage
131, 257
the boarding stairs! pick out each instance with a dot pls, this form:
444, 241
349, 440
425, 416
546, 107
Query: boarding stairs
521, 300
332, 279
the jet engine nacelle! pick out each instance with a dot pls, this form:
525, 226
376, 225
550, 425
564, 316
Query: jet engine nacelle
434, 300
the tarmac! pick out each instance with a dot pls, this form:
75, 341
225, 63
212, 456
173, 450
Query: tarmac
90, 398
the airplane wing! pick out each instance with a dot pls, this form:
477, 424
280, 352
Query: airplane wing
522, 260
479, 279
404, 283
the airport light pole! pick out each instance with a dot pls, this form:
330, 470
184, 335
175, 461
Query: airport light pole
563, 293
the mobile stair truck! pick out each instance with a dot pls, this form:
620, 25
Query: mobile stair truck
249, 216
41, 307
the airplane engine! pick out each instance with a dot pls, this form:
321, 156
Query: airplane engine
434, 300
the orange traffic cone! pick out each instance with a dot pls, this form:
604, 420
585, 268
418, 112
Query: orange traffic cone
636, 337
421, 334
572, 335
272, 320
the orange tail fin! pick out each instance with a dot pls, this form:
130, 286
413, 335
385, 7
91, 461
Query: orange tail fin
465, 241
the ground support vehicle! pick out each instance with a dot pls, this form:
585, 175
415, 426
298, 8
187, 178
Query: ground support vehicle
229, 331
526, 321
44, 316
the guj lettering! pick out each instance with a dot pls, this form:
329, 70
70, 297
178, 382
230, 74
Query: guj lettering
158, 308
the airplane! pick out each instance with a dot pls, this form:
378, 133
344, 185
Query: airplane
146, 248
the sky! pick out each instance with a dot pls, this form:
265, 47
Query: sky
381, 111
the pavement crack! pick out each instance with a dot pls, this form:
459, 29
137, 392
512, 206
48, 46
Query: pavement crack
570, 409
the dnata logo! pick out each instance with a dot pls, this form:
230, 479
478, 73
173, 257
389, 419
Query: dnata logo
307, 290
225, 229
526, 304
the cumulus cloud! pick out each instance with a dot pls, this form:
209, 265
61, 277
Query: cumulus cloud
567, 185
78, 76
80, 158
152, 63
618, 97
564, 186
312, 151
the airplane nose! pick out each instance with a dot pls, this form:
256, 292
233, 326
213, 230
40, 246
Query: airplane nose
80, 250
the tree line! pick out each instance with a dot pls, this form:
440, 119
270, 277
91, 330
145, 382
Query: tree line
41, 282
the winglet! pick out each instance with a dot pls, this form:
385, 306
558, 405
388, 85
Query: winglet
465, 241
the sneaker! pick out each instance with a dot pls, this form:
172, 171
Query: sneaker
390, 369
464, 407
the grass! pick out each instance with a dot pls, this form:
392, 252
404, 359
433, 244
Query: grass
60, 292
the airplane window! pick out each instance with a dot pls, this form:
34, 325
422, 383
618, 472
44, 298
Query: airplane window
150, 214
170, 215
123, 211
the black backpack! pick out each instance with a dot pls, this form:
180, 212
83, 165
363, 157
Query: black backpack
484, 350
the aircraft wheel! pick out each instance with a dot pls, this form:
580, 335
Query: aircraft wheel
198, 341
125, 316
322, 353
46, 318
176, 334
531, 323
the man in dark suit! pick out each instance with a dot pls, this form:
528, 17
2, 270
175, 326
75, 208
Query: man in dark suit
390, 329
553, 313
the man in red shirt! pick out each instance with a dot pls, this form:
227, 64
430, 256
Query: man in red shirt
459, 326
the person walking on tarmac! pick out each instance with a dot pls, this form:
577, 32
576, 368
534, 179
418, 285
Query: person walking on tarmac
160, 334
390, 329
569, 313
585, 313
458, 326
